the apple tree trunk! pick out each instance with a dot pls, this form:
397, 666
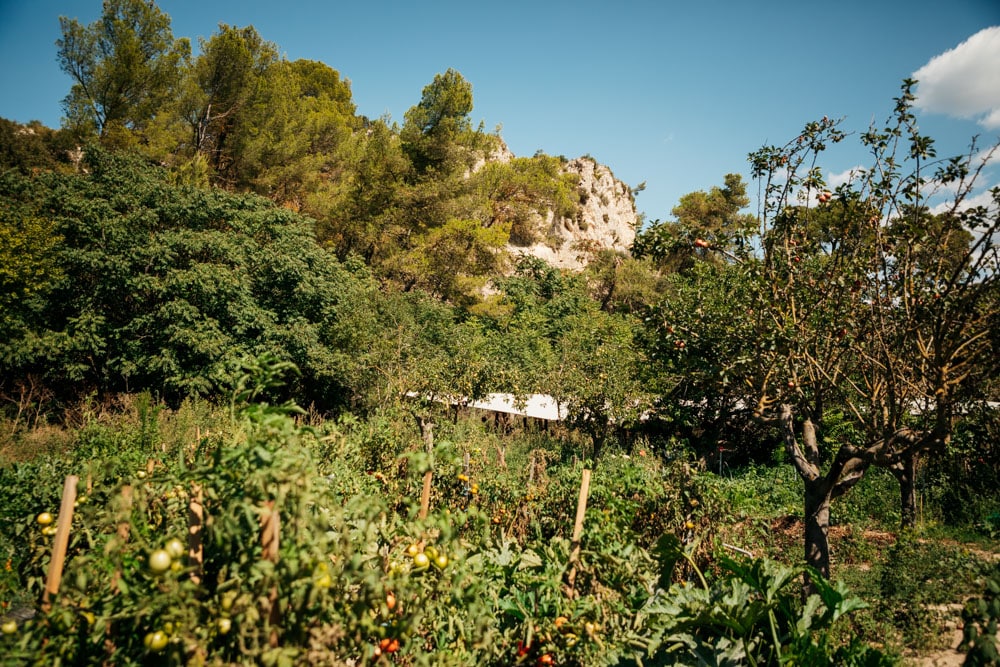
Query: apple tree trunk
906, 474
817, 525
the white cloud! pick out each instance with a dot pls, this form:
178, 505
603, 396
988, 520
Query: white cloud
964, 81
983, 198
834, 181
987, 157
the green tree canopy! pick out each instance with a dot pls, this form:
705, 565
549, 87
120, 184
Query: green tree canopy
125, 66
435, 129
224, 81
702, 220
167, 288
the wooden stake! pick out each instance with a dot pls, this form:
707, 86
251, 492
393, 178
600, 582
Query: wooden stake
425, 495
427, 435
581, 510
124, 511
196, 521
270, 532
63, 526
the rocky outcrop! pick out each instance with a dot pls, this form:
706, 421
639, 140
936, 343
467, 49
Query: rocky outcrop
606, 218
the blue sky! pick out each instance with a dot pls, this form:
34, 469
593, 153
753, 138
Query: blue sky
673, 94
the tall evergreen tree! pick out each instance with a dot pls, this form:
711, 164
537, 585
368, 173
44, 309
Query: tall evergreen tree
124, 67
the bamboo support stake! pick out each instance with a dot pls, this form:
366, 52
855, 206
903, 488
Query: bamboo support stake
581, 511
196, 521
63, 526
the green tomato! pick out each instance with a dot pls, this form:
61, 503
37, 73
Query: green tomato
175, 548
156, 641
9, 628
440, 561
421, 561
159, 561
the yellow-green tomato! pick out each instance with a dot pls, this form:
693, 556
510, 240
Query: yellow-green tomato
45, 518
159, 561
156, 641
175, 548
440, 561
224, 625
9, 628
421, 561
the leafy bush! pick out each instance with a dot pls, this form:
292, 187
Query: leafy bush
752, 615
919, 576
167, 288
980, 617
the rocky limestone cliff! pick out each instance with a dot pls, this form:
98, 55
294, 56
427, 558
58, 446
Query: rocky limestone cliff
606, 218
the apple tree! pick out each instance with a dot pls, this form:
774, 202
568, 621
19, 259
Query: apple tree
867, 314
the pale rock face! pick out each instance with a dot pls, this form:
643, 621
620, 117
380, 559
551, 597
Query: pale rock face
607, 217
499, 154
